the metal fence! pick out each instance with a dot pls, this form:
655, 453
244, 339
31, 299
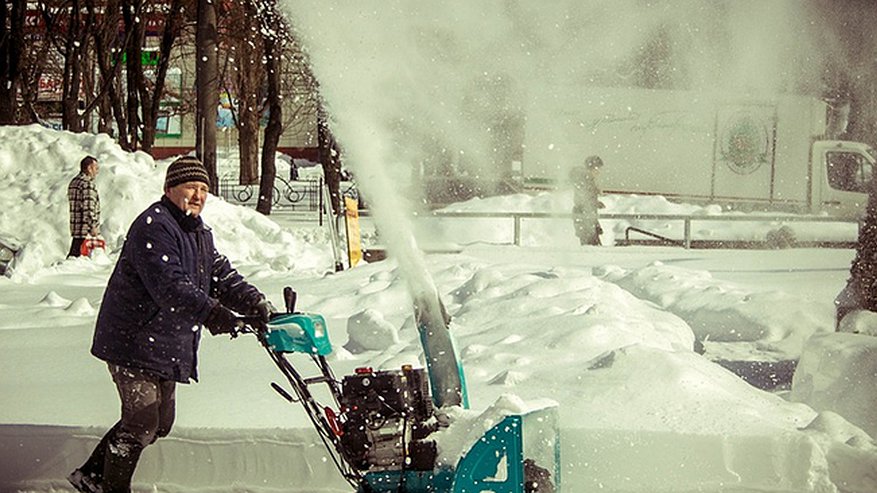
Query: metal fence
292, 195
687, 220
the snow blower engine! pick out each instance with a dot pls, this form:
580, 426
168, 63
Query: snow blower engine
387, 419
382, 440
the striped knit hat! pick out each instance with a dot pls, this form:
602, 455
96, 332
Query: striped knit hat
185, 169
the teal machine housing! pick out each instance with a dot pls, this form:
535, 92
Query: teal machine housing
519, 454
299, 333
503, 460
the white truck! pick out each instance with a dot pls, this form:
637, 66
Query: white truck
751, 152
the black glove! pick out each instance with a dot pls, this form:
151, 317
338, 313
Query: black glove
264, 309
221, 320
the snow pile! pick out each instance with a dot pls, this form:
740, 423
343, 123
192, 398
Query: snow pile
859, 322
37, 164
193, 459
639, 410
772, 325
836, 373
368, 330
844, 445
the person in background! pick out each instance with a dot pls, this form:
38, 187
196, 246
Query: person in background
84, 205
168, 282
585, 200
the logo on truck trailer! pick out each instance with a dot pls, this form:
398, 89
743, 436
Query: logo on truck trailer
745, 143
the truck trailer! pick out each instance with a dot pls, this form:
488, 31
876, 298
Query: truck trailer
747, 152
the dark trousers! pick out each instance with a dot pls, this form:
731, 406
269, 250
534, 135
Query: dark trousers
148, 409
76, 247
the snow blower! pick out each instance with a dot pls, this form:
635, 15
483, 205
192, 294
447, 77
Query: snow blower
382, 436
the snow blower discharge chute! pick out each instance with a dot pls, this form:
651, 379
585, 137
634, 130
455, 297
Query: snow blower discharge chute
382, 437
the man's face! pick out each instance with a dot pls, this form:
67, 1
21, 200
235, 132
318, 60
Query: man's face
189, 197
92, 169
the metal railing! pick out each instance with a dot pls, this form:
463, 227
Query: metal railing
298, 195
687, 220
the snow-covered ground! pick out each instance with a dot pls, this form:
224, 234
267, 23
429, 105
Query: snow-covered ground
606, 332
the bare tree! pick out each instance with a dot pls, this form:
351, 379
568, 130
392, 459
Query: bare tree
301, 91
330, 159
108, 58
64, 29
207, 87
144, 95
30, 73
274, 35
75, 55
244, 58
132, 11
172, 15
11, 41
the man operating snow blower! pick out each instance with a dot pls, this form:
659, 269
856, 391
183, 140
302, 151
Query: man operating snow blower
168, 282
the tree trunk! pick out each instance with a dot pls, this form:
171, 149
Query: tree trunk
105, 115
248, 143
274, 127
207, 87
250, 75
109, 96
11, 47
152, 102
134, 32
29, 81
329, 157
88, 85
73, 50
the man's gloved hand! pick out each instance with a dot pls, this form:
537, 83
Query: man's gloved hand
221, 320
264, 309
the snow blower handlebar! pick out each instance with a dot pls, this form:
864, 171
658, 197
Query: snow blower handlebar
305, 334
253, 324
250, 324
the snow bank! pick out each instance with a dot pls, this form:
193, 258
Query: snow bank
837, 373
639, 410
772, 324
214, 460
36, 165
859, 322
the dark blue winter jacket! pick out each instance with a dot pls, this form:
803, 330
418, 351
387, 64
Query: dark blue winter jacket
168, 278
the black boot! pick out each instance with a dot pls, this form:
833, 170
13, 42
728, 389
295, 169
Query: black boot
123, 453
89, 476
94, 466
84, 483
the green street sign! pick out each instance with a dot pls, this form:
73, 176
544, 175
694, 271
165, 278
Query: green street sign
147, 58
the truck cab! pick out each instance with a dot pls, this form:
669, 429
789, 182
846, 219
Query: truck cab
842, 175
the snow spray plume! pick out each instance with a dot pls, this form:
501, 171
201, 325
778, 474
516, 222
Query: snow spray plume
466, 88
393, 220
475, 90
